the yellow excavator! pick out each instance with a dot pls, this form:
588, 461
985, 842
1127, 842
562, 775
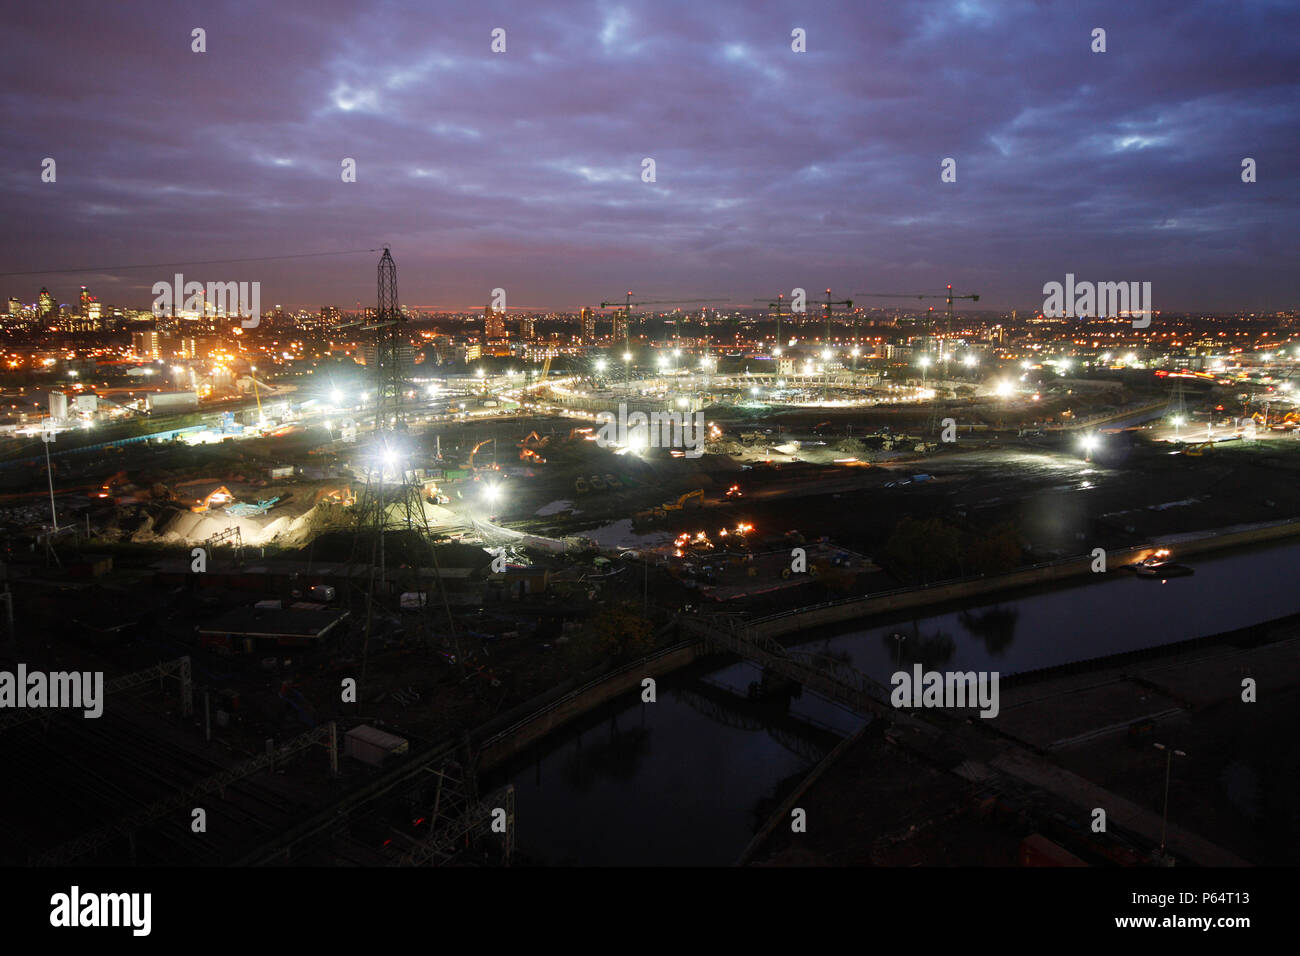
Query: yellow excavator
661, 511
476, 448
696, 496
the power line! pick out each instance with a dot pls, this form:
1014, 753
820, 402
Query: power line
197, 262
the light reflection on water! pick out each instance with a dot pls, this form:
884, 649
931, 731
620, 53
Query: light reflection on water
669, 784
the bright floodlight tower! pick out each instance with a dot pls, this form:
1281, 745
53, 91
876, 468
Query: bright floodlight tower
393, 552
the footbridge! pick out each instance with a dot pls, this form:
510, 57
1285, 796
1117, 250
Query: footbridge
833, 679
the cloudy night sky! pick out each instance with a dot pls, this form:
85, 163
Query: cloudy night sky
775, 169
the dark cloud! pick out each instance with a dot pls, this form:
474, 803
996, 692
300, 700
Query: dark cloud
775, 169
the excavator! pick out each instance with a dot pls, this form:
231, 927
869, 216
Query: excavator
475, 450
658, 512
530, 448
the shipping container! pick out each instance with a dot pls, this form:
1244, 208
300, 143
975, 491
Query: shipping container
371, 745
171, 401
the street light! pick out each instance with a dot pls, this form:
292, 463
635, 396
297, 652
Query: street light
925, 364
1177, 420
1164, 819
1089, 442
898, 648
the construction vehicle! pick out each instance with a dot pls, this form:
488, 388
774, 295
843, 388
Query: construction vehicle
477, 447
245, 510
335, 494
530, 448
695, 497
735, 492
659, 512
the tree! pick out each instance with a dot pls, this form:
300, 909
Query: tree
618, 631
925, 550
996, 552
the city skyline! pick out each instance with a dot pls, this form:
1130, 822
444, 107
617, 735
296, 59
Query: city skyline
774, 169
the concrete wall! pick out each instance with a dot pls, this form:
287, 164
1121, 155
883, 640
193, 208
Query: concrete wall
541, 722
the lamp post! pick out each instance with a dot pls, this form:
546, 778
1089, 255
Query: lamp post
1169, 761
898, 648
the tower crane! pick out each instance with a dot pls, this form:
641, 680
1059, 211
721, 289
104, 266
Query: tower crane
828, 306
948, 296
780, 301
626, 306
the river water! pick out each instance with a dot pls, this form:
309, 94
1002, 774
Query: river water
684, 780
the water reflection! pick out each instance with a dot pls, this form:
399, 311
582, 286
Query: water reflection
931, 651
995, 626
616, 756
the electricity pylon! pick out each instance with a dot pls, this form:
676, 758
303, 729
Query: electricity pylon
392, 499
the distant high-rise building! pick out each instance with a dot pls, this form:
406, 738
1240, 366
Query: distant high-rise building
147, 345
494, 324
84, 302
405, 353
46, 307
15, 307
527, 327
329, 315
588, 326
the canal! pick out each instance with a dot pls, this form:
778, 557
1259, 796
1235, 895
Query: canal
685, 780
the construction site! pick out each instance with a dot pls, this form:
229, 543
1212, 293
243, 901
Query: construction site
314, 632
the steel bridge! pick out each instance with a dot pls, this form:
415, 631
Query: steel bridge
836, 680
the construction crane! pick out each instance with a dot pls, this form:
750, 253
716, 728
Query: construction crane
626, 306
780, 301
828, 307
947, 296
258, 395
